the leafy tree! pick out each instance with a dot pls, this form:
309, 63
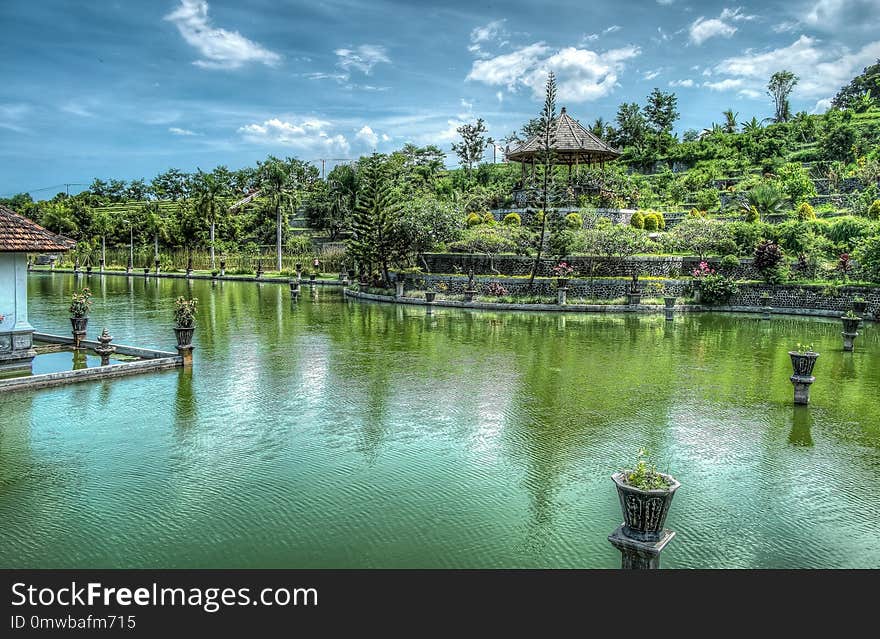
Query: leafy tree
374, 241
58, 217
281, 183
766, 199
864, 85
209, 190
172, 185
779, 88
156, 225
660, 111
473, 144
752, 126
631, 126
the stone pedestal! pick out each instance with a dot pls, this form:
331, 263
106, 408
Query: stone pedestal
398, 289
469, 295
802, 385
562, 296
670, 314
634, 299
104, 349
765, 312
103, 265
639, 555
157, 264
848, 339
186, 352
294, 288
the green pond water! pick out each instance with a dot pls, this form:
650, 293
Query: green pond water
334, 433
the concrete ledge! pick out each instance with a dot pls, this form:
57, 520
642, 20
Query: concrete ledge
90, 374
182, 276
587, 308
121, 349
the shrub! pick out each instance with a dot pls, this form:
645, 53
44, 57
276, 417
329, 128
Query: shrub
512, 219
661, 221
637, 220
845, 230
651, 222
603, 223
805, 212
767, 255
496, 289
488, 218
707, 199
574, 221
729, 263
868, 256
185, 312
473, 220
752, 215
717, 288
874, 210
697, 213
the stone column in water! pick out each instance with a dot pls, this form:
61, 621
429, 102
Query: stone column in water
562, 296
639, 555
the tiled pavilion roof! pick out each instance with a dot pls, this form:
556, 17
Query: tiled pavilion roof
21, 235
574, 145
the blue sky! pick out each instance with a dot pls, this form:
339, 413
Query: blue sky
129, 89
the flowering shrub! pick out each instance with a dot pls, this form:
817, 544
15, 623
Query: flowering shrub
80, 303
496, 289
563, 270
844, 264
185, 312
703, 270
717, 288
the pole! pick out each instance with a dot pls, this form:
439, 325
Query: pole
131, 244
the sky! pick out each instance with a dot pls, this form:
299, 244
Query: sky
128, 89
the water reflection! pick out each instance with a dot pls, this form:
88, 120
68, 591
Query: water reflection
801, 425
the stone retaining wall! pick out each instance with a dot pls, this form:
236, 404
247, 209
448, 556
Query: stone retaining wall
648, 266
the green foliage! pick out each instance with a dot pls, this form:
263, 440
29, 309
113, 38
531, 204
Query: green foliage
650, 222
868, 256
374, 241
473, 220
805, 212
717, 288
80, 303
185, 312
729, 263
766, 198
752, 215
874, 210
707, 199
697, 213
796, 182
637, 221
644, 476
511, 219
574, 221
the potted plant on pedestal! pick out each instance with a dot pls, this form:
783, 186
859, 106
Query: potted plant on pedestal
859, 306
80, 304
645, 496
184, 320
851, 322
803, 359
563, 272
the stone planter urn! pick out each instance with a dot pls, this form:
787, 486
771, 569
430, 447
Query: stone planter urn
850, 331
222, 268
79, 325
429, 296
469, 295
146, 271
669, 302
802, 378
562, 282
157, 265
860, 308
644, 511
184, 335
88, 270
313, 277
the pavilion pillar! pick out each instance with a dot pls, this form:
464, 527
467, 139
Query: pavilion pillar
16, 333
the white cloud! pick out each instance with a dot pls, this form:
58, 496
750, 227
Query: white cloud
612, 29
219, 48
362, 58
178, 131
367, 135
822, 68
750, 93
386, 137
11, 116
703, 29
687, 83
784, 27
836, 14
485, 34
665, 3
499, 95
822, 105
724, 85
307, 135
581, 74
650, 75
75, 108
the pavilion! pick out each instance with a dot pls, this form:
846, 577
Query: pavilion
574, 146
18, 237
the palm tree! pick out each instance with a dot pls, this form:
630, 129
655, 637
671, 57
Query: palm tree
715, 129
729, 125
752, 126
278, 186
766, 199
156, 225
209, 188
